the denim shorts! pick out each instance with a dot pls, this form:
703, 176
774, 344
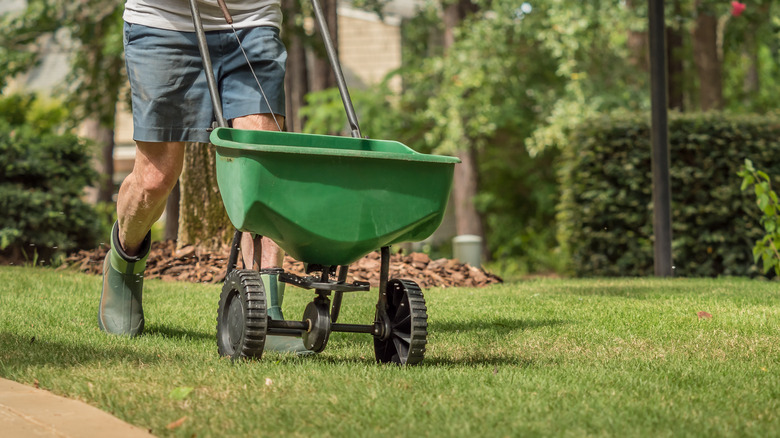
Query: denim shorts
170, 96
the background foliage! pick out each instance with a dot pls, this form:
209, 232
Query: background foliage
43, 177
521, 75
605, 214
518, 78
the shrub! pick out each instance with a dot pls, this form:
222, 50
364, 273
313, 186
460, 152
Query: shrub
42, 177
605, 211
766, 249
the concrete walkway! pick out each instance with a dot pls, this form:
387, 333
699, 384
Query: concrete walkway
29, 412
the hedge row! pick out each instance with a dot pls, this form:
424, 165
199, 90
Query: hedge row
42, 177
605, 215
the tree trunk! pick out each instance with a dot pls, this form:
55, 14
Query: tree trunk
297, 79
637, 46
172, 214
454, 13
202, 217
708, 66
464, 189
323, 77
103, 162
465, 184
637, 41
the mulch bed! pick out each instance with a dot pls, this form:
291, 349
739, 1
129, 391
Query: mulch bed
198, 265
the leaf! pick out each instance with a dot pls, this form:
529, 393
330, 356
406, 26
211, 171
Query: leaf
704, 315
747, 181
760, 189
180, 393
176, 423
768, 261
757, 250
763, 201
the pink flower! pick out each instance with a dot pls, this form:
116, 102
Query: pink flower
737, 8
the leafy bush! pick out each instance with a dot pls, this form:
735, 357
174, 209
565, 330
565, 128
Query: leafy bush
766, 249
42, 177
605, 211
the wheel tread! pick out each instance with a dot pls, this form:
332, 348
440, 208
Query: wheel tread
246, 286
418, 326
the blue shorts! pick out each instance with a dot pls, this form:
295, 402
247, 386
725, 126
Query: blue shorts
170, 97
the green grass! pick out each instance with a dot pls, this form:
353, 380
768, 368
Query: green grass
624, 357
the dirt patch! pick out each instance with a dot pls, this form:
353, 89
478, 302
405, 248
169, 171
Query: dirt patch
198, 265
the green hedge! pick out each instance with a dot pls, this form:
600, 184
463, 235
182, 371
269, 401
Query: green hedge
42, 177
605, 211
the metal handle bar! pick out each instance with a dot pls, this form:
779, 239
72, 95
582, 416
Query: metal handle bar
204, 53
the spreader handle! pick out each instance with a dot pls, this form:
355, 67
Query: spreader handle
225, 11
204, 54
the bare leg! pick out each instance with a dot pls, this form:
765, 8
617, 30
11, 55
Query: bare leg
143, 193
250, 250
141, 202
253, 255
266, 253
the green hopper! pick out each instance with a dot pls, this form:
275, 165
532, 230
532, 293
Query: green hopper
330, 200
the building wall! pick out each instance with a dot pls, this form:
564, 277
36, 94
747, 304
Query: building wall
368, 47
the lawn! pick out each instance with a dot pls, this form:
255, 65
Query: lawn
605, 357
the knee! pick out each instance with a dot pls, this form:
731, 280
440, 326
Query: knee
157, 168
261, 122
157, 183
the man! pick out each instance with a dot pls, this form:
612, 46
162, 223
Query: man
171, 105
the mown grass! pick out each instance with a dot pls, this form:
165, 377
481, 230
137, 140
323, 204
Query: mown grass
625, 357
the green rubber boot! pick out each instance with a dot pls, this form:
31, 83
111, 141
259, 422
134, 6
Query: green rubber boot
274, 292
120, 311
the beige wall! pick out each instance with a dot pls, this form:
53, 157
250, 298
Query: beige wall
369, 48
123, 130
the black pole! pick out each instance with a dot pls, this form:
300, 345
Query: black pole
662, 211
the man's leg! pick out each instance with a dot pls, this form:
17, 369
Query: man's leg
141, 202
142, 196
266, 253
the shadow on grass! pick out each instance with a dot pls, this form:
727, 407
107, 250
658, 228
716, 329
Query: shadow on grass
178, 333
501, 325
17, 351
476, 359
607, 290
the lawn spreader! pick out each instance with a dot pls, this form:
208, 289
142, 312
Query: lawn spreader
327, 201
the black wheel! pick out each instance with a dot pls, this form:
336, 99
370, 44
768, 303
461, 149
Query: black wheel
408, 320
318, 317
242, 319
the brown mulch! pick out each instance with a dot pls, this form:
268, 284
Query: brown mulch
198, 265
